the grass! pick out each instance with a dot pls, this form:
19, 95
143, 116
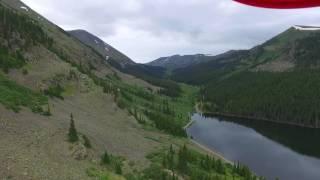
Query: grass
102, 174
14, 96
69, 90
185, 104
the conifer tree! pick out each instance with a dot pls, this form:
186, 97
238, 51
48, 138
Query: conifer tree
183, 159
118, 168
171, 158
106, 158
73, 135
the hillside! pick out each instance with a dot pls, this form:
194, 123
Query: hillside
100, 46
67, 114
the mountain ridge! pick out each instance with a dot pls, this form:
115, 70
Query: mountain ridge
285, 52
179, 61
100, 46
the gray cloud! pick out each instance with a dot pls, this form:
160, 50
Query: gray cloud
148, 29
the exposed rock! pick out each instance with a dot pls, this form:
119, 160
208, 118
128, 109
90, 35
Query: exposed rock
79, 151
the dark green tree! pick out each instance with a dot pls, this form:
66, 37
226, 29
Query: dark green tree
171, 158
183, 159
118, 168
105, 158
73, 135
220, 167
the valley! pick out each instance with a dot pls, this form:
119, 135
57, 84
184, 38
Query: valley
74, 107
275, 81
123, 126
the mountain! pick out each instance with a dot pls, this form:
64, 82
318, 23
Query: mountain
151, 74
100, 46
202, 73
296, 48
275, 81
178, 61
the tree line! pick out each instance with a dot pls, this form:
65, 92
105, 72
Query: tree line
285, 97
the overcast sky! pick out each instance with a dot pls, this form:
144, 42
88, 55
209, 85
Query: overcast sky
147, 29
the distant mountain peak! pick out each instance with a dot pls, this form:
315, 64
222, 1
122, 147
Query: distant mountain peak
306, 28
180, 61
183, 61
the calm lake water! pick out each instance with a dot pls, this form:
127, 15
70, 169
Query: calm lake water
270, 150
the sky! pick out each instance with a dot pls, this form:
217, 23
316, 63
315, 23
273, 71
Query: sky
145, 30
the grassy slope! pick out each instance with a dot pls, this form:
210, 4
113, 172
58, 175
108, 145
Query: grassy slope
13, 96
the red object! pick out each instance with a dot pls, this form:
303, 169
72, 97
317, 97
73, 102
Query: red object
281, 4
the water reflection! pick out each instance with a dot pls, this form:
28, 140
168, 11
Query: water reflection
271, 150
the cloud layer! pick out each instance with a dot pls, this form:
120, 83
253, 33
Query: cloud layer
148, 29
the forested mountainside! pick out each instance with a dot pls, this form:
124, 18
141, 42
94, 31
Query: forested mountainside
276, 81
65, 113
215, 68
100, 46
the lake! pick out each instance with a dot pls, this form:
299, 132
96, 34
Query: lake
269, 149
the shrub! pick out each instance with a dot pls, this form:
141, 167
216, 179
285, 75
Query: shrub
25, 71
118, 168
54, 91
48, 112
87, 142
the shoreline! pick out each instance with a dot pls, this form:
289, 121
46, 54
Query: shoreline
189, 124
217, 154
210, 151
227, 115
201, 146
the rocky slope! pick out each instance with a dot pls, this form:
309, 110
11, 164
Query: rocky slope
100, 46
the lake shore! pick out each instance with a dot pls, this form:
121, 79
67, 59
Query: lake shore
210, 151
230, 115
203, 147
